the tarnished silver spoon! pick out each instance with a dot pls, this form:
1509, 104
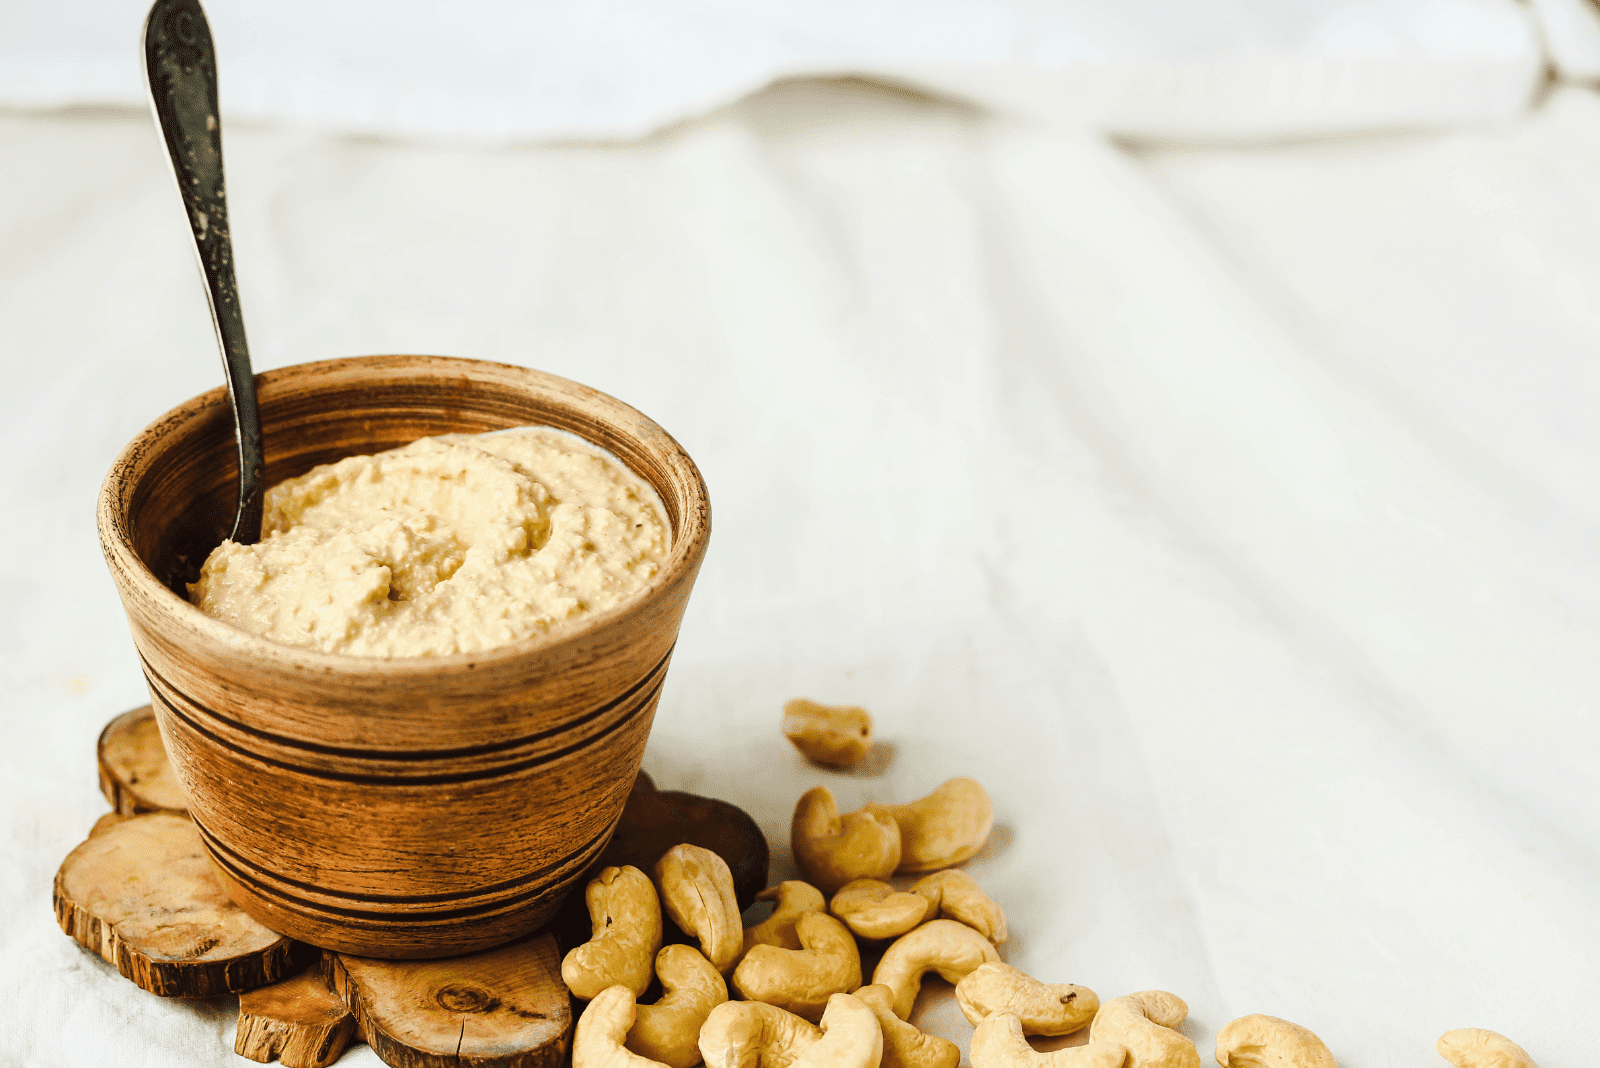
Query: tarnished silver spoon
180, 69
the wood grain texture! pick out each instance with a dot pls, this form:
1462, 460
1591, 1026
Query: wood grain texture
142, 893
299, 1022
504, 1008
135, 774
406, 808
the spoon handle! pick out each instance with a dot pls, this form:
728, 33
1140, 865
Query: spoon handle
180, 68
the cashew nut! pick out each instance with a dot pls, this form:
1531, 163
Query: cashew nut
944, 828
627, 932
1144, 1023
850, 1037
904, 1046
835, 735
1473, 1047
1258, 1041
874, 909
956, 896
794, 899
669, 1030
697, 892
833, 849
598, 1041
997, 987
952, 949
998, 1043
802, 980
751, 1034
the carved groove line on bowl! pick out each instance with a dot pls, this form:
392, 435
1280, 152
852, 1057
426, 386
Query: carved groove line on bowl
361, 754
235, 861
637, 699
554, 876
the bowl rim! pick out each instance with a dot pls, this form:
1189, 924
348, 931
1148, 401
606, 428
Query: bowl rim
683, 560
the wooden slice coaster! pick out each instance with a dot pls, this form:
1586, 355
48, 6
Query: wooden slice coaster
135, 775
503, 1008
299, 1022
141, 892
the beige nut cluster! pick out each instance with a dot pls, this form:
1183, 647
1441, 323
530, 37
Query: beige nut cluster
799, 970
938, 831
694, 887
800, 958
944, 923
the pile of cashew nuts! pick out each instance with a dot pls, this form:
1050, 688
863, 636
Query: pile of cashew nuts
802, 1000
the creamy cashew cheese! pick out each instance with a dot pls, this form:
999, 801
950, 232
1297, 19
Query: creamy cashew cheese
450, 544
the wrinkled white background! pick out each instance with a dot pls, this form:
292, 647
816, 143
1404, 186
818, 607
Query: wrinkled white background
1230, 510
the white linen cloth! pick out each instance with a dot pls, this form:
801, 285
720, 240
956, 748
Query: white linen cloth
1571, 32
1230, 513
513, 70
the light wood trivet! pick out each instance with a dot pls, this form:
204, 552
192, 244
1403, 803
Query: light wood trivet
299, 1021
135, 775
141, 892
503, 1008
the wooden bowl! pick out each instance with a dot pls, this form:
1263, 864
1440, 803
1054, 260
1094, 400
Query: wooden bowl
409, 807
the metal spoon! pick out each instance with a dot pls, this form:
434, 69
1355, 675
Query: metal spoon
180, 69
